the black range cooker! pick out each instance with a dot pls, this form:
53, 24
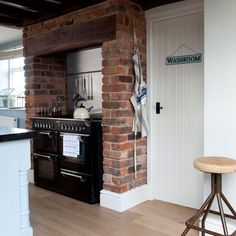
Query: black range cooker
68, 157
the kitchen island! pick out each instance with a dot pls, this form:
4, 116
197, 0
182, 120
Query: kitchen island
14, 166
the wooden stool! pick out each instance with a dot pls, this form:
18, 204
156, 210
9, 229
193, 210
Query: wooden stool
216, 166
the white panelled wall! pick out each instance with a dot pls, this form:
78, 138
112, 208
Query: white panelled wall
176, 134
220, 87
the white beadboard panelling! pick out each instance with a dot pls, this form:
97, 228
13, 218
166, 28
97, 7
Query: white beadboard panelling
179, 89
14, 166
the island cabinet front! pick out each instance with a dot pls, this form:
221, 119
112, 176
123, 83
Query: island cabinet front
14, 167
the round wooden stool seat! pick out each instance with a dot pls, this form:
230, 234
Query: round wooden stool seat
218, 165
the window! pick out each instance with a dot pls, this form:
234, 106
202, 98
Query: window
12, 83
16, 73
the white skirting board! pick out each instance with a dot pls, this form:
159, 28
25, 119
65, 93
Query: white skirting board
123, 201
214, 223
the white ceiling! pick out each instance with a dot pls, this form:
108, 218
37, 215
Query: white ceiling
9, 35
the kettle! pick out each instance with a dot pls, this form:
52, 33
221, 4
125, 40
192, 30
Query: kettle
81, 112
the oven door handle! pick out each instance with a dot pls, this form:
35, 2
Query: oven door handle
45, 133
77, 134
44, 156
73, 175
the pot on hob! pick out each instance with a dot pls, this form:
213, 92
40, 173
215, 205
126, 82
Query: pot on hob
81, 112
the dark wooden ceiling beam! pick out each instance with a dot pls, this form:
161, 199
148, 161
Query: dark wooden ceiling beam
147, 4
36, 5
78, 4
28, 12
16, 13
66, 7
9, 21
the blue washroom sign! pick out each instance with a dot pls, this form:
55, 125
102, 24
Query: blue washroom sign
184, 59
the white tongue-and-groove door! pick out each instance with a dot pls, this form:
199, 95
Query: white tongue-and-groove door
177, 132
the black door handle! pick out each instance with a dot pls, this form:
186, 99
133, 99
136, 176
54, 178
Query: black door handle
158, 107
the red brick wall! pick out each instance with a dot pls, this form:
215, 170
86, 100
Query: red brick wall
45, 81
118, 82
118, 79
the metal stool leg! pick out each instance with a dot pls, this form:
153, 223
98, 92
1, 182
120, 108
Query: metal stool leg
213, 190
216, 190
199, 213
206, 213
222, 216
228, 204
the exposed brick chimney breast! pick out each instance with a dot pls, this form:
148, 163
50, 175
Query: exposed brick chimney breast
46, 79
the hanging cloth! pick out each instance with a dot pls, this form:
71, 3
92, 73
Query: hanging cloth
138, 100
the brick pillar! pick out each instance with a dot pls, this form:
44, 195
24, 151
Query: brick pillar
118, 143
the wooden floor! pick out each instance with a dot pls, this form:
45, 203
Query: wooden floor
55, 215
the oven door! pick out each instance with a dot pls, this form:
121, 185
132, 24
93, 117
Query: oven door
46, 142
45, 170
77, 185
74, 152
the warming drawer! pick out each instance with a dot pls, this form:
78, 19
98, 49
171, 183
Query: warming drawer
77, 185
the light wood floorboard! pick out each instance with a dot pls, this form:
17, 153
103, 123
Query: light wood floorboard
56, 215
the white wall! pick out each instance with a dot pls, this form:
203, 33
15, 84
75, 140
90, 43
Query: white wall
84, 61
220, 86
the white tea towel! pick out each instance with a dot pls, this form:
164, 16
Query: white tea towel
71, 145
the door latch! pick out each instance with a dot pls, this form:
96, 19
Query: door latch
158, 107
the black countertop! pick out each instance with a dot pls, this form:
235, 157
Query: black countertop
12, 134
